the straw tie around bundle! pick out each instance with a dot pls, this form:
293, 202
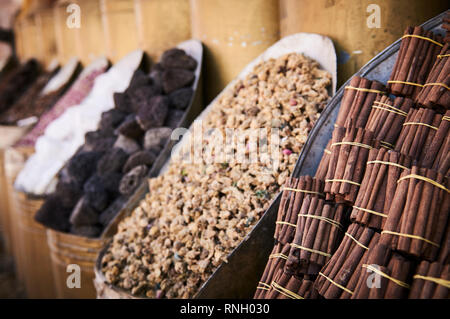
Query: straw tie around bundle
432, 280
390, 269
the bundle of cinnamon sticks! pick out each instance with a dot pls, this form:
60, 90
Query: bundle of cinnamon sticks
418, 51
339, 277
432, 280
387, 117
378, 187
320, 227
357, 102
385, 275
293, 194
349, 152
418, 214
388, 163
276, 262
418, 132
435, 93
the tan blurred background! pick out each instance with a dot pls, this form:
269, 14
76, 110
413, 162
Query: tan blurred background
233, 31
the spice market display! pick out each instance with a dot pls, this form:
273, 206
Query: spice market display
129, 170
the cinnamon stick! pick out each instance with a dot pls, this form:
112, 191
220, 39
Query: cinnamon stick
434, 155
322, 169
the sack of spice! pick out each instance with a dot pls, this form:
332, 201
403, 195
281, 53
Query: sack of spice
65, 135
16, 82
117, 157
44, 96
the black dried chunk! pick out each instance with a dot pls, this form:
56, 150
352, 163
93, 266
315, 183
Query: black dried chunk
180, 99
174, 118
111, 182
69, 193
177, 58
174, 79
112, 161
53, 214
139, 78
83, 165
130, 128
139, 158
83, 214
139, 97
156, 138
108, 214
132, 180
122, 102
110, 119
154, 114
127, 144
95, 192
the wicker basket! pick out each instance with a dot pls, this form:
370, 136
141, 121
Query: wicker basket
8, 136
34, 254
67, 249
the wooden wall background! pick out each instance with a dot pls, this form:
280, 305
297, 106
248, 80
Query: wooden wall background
233, 31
